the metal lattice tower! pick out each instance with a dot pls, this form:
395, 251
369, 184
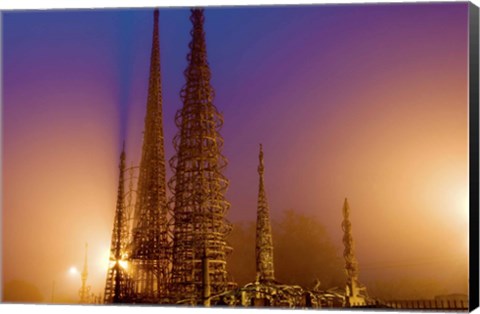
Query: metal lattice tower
149, 255
84, 291
264, 242
200, 228
353, 288
117, 285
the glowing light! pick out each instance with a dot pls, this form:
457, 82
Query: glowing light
123, 264
465, 204
73, 270
459, 197
105, 260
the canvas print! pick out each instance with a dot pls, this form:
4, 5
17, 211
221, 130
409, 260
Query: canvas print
261, 156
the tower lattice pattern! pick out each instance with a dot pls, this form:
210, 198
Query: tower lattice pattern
264, 242
199, 246
351, 265
117, 285
150, 247
84, 291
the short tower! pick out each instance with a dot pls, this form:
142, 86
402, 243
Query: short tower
353, 289
117, 284
264, 242
84, 291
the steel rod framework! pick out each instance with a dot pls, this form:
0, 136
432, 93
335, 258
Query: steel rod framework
117, 287
149, 256
84, 291
198, 185
264, 241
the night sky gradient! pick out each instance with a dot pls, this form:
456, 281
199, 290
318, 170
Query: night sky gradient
367, 102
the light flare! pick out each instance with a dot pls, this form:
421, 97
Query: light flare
73, 271
123, 264
104, 262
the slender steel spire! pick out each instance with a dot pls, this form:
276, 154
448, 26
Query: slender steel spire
84, 289
353, 288
264, 242
149, 255
117, 284
200, 228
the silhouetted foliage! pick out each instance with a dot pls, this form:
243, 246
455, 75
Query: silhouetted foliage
241, 263
19, 291
303, 252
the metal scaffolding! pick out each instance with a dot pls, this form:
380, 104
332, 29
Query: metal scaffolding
150, 258
183, 261
199, 204
117, 287
264, 241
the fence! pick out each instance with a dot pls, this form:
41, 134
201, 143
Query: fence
447, 305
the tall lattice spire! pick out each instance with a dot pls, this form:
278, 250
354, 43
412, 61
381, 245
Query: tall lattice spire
149, 255
264, 242
199, 246
353, 288
117, 284
84, 291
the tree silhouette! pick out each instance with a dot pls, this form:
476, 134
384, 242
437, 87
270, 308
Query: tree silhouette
19, 291
241, 263
303, 252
